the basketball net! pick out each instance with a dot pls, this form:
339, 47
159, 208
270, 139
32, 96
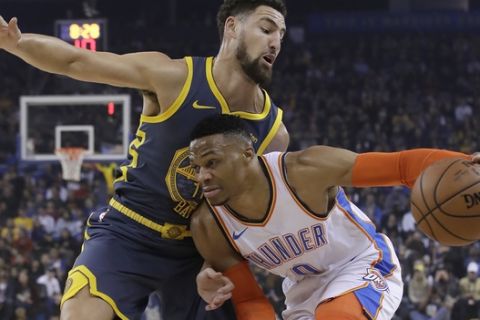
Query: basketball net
71, 160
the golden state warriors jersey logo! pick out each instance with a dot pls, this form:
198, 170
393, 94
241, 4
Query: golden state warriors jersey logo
181, 184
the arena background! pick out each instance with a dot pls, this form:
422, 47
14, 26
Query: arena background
363, 75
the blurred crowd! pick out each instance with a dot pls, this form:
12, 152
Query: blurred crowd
364, 92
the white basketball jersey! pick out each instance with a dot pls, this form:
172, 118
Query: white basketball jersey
319, 257
295, 243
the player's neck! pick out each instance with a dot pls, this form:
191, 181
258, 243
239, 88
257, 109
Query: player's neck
254, 200
240, 92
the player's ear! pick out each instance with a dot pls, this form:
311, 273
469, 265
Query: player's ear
231, 26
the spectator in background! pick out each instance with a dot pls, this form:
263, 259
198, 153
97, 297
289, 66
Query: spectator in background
463, 111
22, 220
25, 293
46, 220
75, 223
408, 224
445, 284
371, 209
23, 243
419, 290
5, 287
468, 306
53, 293
397, 202
470, 284
21, 313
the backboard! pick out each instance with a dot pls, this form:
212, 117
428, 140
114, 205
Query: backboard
98, 123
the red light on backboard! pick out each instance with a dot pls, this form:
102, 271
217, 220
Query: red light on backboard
111, 108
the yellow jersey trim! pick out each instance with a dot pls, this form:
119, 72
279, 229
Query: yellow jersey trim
272, 133
86, 236
167, 230
178, 102
223, 103
80, 277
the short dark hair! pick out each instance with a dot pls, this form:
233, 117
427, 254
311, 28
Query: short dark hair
220, 124
235, 7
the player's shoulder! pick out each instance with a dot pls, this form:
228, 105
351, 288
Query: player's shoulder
201, 217
309, 156
170, 76
175, 67
308, 163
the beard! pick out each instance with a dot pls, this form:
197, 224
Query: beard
253, 68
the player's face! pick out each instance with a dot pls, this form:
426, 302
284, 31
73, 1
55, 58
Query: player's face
219, 167
259, 43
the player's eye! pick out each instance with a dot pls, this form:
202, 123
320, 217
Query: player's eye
265, 30
211, 163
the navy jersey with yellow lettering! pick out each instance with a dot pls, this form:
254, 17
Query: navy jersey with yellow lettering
157, 181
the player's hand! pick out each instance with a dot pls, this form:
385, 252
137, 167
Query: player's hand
214, 288
9, 34
476, 157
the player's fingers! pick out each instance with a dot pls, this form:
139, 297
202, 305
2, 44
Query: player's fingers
12, 22
476, 157
3, 23
210, 272
219, 298
13, 25
215, 275
204, 275
224, 289
210, 307
226, 296
227, 286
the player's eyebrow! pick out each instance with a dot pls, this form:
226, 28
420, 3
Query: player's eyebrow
208, 152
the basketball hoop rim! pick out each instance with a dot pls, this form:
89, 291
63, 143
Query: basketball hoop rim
71, 159
74, 152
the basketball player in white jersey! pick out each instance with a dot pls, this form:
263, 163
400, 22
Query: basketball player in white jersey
286, 213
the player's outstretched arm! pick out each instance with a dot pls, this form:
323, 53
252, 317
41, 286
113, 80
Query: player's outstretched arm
144, 70
340, 167
248, 298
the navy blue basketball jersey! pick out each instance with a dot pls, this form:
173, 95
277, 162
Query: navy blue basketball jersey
157, 181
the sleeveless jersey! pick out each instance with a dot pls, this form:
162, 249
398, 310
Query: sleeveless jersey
293, 242
156, 181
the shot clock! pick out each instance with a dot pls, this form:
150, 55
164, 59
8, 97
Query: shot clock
90, 34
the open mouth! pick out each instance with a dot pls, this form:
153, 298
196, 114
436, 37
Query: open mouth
269, 58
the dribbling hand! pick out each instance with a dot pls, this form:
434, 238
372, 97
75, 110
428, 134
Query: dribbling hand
214, 288
10, 34
476, 157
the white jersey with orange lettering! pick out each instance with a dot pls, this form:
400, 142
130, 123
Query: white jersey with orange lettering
321, 257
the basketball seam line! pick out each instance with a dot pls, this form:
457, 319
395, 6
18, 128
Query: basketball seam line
438, 206
424, 216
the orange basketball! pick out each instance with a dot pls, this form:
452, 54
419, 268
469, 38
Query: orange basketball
445, 202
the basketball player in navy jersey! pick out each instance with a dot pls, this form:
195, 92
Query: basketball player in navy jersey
141, 241
286, 213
